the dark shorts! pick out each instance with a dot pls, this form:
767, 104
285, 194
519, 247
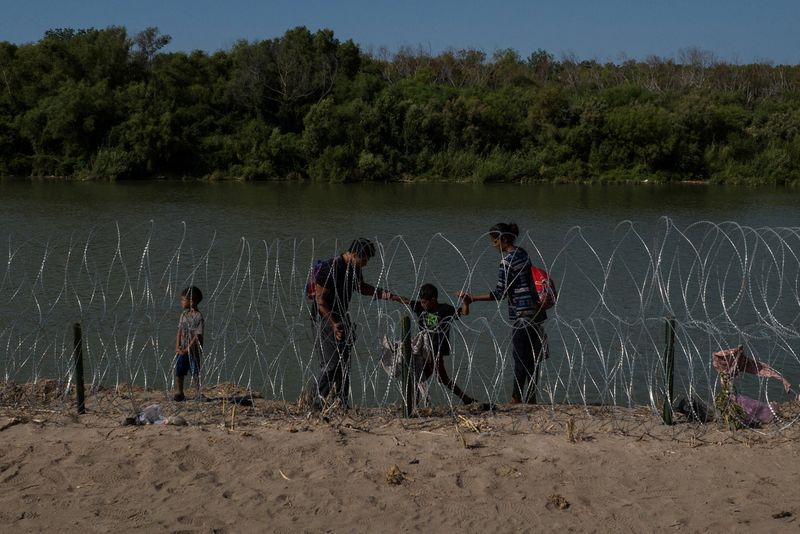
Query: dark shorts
187, 364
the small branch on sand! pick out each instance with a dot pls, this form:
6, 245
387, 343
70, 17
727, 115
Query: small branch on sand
11, 422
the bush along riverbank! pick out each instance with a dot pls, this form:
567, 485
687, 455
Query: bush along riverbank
106, 104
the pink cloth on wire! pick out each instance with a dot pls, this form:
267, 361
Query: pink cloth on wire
734, 362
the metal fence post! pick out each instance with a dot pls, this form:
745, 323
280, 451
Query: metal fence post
669, 370
409, 387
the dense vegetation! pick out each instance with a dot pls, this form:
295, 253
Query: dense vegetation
104, 104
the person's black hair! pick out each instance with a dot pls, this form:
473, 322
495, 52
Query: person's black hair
428, 292
505, 232
193, 294
362, 247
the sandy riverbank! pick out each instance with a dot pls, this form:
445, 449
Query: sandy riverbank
274, 467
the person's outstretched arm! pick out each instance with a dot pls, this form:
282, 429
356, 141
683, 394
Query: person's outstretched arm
469, 299
498, 293
402, 300
372, 291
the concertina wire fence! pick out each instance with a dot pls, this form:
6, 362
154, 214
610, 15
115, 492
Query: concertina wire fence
725, 285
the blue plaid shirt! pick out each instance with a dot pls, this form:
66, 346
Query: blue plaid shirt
515, 283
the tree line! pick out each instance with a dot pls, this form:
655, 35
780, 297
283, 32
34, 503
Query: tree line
104, 104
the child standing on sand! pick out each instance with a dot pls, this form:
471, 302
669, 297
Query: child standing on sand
189, 342
435, 319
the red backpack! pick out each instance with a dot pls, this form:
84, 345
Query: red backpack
545, 288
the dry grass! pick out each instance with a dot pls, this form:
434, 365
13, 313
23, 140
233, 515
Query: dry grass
51, 399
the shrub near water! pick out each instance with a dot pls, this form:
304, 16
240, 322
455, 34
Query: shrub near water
103, 104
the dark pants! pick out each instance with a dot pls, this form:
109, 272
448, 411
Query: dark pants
334, 363
526, 341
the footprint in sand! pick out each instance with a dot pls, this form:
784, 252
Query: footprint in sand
53, 475
184, 520
85, 460
465, 515
522, 510
11, 473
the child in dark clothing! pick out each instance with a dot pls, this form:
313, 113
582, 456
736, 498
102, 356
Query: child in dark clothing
435, 318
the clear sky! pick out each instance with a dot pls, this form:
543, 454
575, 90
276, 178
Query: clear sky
735, 30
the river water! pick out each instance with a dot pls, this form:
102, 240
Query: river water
721, 260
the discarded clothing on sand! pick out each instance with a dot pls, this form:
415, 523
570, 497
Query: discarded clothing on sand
755, 411
695, 410
151, 415
730, 363
421, 358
